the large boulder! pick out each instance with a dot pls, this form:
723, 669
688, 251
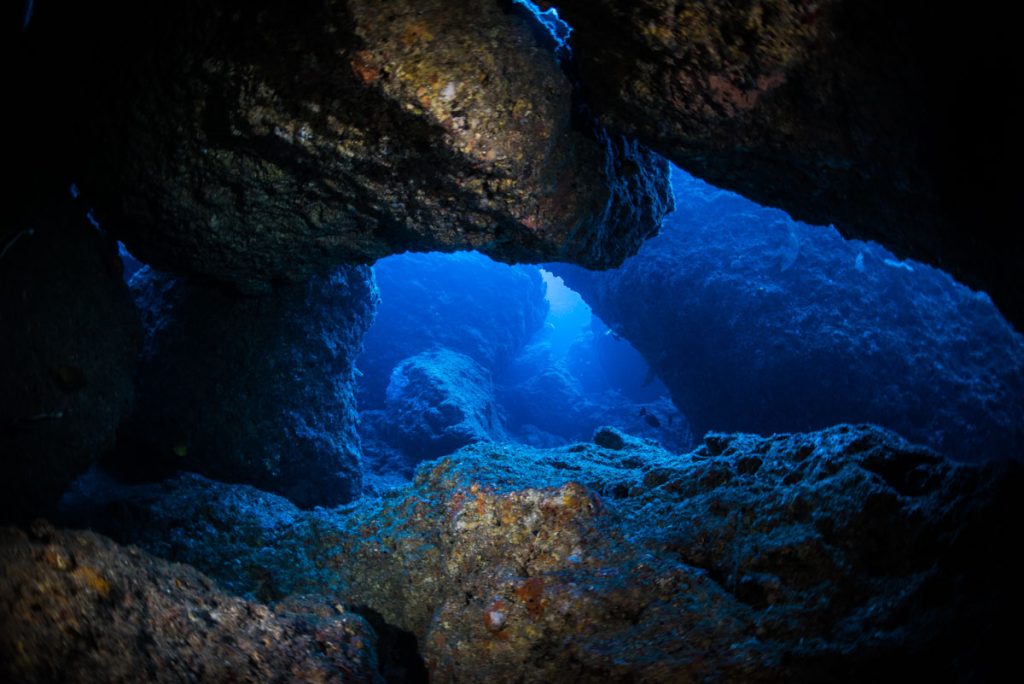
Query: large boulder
463, 302
849, 112
846, 553
761, 324
76, 607
253, 142
437, 402
68, 353
256, 390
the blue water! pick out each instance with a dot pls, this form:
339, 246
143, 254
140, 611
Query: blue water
756, 323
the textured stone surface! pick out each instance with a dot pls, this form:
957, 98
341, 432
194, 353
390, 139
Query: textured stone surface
842, 554
255, 390
462, 302
76, 607
261, 544
69, 337
760, 324
848, 112
437, 402
254, 141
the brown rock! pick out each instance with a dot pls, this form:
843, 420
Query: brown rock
841, 555
75, 607
254, 142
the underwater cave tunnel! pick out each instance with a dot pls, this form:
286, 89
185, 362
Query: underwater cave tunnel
769, 450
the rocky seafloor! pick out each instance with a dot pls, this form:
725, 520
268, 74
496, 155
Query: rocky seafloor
840, 555
465, 522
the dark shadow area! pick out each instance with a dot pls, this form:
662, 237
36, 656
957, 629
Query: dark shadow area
397, 650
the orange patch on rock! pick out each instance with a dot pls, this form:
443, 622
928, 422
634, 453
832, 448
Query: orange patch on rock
364, 68
531, 593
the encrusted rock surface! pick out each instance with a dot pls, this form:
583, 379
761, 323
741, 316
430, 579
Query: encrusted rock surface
844, 554
256, 141
76, 607
757, 323
463, 302
856, 113
69, 338
256, 390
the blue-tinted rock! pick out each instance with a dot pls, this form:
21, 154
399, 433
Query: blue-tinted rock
252, 390
463, 302
257, 544
843, 553
437, 402
69, 341
760, 324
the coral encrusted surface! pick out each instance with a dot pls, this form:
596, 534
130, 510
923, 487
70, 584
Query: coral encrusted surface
837, 555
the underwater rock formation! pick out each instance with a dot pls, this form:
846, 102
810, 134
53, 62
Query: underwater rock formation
69, 340
255, 390
437, 402
463, 302
263, 551
551, 408
848, 112
75, 607
844, 553
550, 399
253, 142
760, 324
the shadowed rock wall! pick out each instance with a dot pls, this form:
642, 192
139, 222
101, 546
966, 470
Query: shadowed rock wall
257, 390
69, 340
894, 121
758, 323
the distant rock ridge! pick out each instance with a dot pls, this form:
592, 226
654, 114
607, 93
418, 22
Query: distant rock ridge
758, 323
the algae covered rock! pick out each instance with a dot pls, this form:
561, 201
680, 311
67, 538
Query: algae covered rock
792, 558
76, 607
256, 390
69, 340
805, 557
253, 142
257, 545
